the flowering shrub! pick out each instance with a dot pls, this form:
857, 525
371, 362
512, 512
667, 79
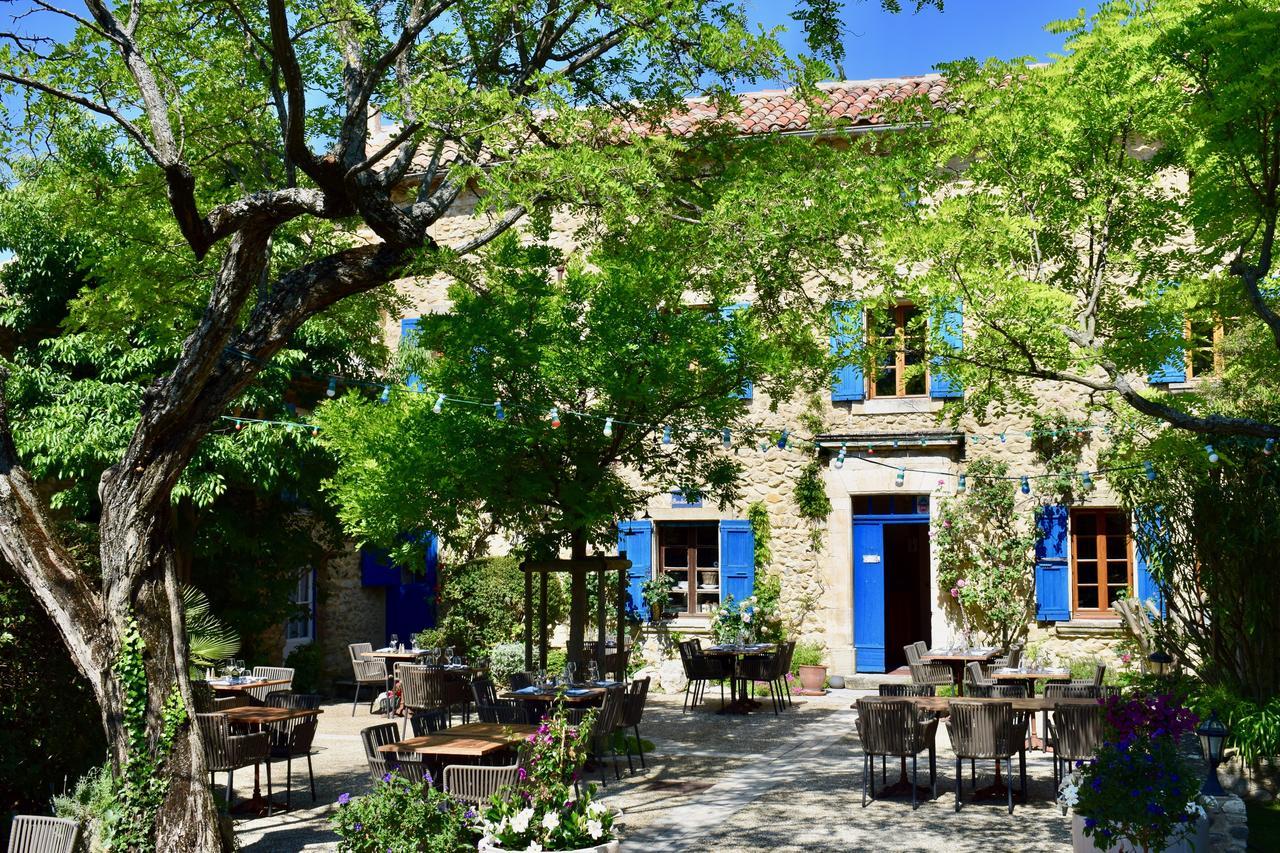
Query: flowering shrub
403, 816
1138, 788
746, 617
545, 812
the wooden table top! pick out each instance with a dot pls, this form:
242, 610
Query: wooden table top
238, 686
470, 740
1025, 674
259, 715
591, 695
762, 649
942, 703
958, 655
408, 655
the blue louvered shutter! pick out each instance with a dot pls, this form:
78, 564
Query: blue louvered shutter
747, 389
1053, 580
737, 560
635, 542
950, 336
1175, 368
408, 328
1146, 551
846, 340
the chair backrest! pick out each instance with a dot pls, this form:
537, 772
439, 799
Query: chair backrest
611, 709
273, 673
991, 690
421, 686
476, 785
202, 697
906, 690
40, 834
429, 722
356, 650
379, 735
295, 700
519, 680
634, 706
1079, 730
215, 734
286, 734
922, 647
885, 725
483, 691
973, 674
1015, 656
1099, 670
1071, 691
912, 653
983, 729
413, 769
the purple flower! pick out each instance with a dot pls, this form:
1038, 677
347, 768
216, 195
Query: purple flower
343, 799
470, 814
386, 777
358, 827
522, 773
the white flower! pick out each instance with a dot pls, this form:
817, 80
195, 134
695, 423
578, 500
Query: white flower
488, 842
746, 617
520, 822
534, 847
1194, 808
550, 821
595, 829
594, 808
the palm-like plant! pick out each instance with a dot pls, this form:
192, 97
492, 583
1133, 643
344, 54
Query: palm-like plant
209, 639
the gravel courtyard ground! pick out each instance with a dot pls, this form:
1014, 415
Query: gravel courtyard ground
786, 783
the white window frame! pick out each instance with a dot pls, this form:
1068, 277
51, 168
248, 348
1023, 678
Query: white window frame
304, 592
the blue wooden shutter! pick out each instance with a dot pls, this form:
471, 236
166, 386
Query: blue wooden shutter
410, 609
747, 388
846, 340
868, 596
737, 560
1053, 578
1173, 370
376, 568
950, 335
408, 328
635, 542
1146, 547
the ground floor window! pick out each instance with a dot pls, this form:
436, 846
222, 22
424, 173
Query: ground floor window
1102, 558
301, 627
690, 554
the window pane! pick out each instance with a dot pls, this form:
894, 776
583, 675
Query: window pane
1118, 572
886, 325
1114, 593
881, 504
1087, 598
708, 558
1117, 525
915, 383
886, 382
1086, 548
1201, 347
1086, 571
675, 558
1084, 524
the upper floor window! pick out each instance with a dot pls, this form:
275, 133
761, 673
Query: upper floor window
1102, 557
1204, 346
900, 367
301, 627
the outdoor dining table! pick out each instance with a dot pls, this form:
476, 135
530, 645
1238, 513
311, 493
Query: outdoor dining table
739, 702
239, 685
256, 717
574, 694
1029, 675
958, 659
469, 742
397, 656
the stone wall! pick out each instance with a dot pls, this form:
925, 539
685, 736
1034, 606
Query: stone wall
347, 613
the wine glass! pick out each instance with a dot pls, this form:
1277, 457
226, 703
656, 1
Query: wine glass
570, 670
593, 671
395, 642
455, 660
448, 654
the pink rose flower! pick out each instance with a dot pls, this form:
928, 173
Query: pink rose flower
962, 583
955, 593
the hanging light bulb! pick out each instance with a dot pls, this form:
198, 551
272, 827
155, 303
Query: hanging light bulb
386, 393
439, 406
840, 456
1213, 454
1150, 469
962, 484
764, 446
902, 474
333, 386
782, 439
498, 411
315, 431
1086, 480
1026, 485
289, 427
1269, 446
608, 427
554, 417
666, 434
239, 425
1002, 438
726, 438
1030, 434
895, 442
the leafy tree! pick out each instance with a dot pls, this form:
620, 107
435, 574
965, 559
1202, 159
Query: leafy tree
218, 111
1083, 210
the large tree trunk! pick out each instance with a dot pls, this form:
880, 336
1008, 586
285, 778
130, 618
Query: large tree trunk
577, 596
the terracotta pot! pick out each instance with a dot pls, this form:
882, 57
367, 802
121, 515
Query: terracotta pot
813, 677
1194, 840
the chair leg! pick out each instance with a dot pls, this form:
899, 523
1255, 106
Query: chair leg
959, 776
884, 777
933, 770
269, 800
355, 701
684, 709
288, 780
1009, 788
915, 777
1022, 773
631, 768
639, 746
866, 773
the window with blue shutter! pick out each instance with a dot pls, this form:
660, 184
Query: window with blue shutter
737, 560
1146, 552
950, 335
408, 329
635, 542
846, 340
1053, 585
747, 389
1174, 368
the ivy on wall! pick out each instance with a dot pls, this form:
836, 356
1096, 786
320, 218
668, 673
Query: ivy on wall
812, 502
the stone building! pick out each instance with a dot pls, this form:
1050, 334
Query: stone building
863, 581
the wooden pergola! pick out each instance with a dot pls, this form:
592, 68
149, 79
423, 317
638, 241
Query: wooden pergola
601, 567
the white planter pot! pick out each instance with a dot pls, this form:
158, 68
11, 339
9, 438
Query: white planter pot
1195, 839
607, 847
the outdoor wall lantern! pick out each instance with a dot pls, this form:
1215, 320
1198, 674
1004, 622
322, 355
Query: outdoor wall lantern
1161, 662
1213, 735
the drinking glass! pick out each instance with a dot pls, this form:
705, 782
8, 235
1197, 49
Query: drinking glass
454, 660
448, 652
570, 669
395, 642
542, 676
593, 671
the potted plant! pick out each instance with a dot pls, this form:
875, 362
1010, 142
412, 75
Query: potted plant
656, 593
545, 812
807, 664
1139, 792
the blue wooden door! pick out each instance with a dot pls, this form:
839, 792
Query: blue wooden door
868, 596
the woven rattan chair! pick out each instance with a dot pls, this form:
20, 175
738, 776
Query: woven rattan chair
476, 785
995, 690
491, 709
767, 669
416, 769
519, 680
895, 727
258, 695
422, 689
1062, 690
601, 736
457, 695
208, 702
936, 674
224, 751
40, 834
1076, 734
632, 712
700, 668
373, 737
428, 722
1099, 670
293, 738
366, 672
987, 731
975, 677
1010, 660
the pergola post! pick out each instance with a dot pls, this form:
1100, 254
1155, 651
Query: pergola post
601, 628
528, 617
622, 630
542, 617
